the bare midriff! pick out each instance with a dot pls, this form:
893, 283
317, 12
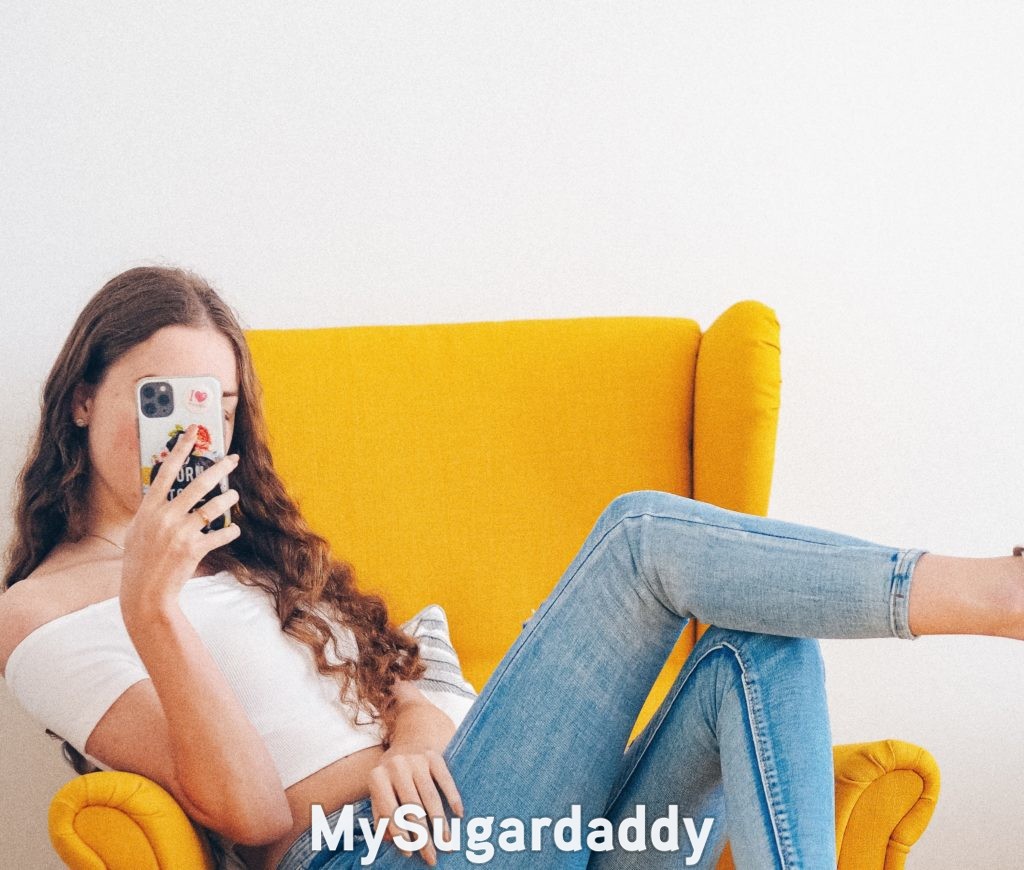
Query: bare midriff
344, 781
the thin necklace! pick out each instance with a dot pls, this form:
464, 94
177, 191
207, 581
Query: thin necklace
94, 535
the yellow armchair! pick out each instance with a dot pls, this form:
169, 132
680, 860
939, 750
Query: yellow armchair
464, 464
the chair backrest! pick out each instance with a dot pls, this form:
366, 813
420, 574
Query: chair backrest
465, 463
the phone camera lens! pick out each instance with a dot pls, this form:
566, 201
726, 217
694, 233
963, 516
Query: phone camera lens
164, 399
149, 408
148, 392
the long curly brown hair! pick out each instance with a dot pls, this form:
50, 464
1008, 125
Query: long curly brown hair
277, 550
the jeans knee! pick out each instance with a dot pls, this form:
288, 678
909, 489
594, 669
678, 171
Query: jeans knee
794, 654
640, 501
804, 653
624, 505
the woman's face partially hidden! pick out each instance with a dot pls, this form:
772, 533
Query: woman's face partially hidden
110, 415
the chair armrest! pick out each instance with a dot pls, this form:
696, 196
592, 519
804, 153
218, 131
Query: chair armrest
112, 820
886, 792
885, 795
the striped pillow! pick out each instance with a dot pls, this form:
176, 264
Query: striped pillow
443, 683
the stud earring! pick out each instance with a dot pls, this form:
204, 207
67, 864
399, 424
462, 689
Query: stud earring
79, 421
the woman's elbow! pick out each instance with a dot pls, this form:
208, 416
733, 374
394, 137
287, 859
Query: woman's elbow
255, 826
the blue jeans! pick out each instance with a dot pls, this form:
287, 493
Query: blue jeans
743, 736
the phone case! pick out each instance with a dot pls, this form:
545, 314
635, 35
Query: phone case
165, 408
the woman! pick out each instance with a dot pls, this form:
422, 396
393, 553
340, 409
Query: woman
742, 738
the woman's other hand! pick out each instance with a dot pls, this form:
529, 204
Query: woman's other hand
410, 772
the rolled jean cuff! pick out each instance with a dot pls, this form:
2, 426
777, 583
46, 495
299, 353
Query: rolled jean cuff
899, 600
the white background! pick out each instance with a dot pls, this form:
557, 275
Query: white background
855, 166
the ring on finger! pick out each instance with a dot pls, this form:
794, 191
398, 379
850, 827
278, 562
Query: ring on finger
206, 520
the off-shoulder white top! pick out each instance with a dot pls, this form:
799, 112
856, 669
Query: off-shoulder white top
68, 672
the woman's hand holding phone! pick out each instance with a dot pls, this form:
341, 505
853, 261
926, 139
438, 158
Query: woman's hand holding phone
165, 542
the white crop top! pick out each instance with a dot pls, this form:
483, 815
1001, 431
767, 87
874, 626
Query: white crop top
68, 672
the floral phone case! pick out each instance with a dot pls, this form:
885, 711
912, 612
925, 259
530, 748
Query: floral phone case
165, 408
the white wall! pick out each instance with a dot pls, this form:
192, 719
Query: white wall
855, 166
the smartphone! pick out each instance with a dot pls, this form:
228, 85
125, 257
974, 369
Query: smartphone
166, 407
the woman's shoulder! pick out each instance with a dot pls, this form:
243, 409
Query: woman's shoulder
57, 586
21, 613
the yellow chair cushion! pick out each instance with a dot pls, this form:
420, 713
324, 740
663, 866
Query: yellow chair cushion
464, 464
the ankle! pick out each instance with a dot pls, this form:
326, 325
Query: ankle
968, 595
1014, 625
